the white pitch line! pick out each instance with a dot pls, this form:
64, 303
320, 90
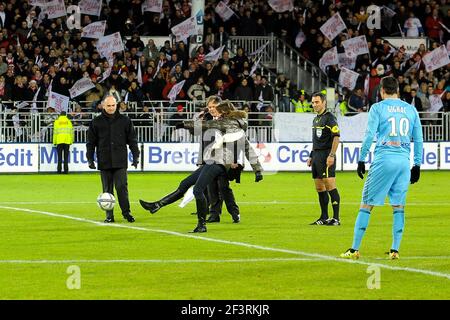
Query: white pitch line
157, 261
430, 204
242, 244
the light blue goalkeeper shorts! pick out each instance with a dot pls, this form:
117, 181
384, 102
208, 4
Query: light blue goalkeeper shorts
388, 176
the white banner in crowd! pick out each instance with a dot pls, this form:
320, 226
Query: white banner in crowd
299, 39
40, 3
152, 6
214, 55
436, 59
172, 95
333, 26
224, 11
185, 29
435, 103
54, 9
346, 62
82, 85
348, 78
355, 46
90, 7
107, 45
94, 30
58, 102
329, 58
281, 5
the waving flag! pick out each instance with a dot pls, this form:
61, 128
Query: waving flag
185, 29
224, 11
333, 26
259, 50
436, 59
329, 58
214, 55
152, 6
175, 91
94, 30
348, 78
281, 5
82, 85
355, 46
90, 7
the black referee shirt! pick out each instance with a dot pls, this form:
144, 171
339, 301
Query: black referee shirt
324, 128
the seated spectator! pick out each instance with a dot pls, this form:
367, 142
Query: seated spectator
357, 103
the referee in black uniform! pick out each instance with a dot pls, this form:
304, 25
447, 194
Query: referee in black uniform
322, 160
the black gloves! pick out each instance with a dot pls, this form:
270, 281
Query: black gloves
179, 125
415, 174
135, 163
92, 165
258, 176
361, 169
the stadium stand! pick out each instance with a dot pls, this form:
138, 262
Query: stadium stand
269, 57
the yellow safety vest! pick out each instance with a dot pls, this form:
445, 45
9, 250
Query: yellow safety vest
343, 107
62, 131
302, 107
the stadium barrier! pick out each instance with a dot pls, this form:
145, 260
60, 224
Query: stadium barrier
42, 157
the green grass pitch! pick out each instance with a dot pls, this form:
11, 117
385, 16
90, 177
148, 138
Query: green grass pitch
51, 226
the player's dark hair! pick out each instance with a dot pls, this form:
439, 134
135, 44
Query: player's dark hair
319, 94
390, 85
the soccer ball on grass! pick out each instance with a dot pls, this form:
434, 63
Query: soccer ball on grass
106, 201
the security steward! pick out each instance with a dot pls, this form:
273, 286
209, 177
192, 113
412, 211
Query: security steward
62, 139
302, 104
108, 136
322, 160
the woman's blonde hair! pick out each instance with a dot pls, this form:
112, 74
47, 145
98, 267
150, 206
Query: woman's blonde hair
228, 110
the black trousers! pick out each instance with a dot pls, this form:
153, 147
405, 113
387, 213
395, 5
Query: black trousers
63, 156
117, 178
219, 191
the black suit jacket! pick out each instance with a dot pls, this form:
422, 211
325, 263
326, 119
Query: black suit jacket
417, 102
109, 137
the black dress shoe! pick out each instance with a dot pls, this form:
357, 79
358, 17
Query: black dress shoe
151, 206
109, 220
199, 228
213, 218
236, 218
129, 218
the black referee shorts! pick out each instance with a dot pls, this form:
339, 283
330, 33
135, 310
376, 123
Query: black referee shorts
319, 165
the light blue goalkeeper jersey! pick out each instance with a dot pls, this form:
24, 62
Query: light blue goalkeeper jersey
396, 124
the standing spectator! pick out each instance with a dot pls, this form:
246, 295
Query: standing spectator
62, 139
413, 26
198, 91
433, 25
108, 135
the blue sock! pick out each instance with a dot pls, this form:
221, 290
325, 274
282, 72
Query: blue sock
397, 228
361, 223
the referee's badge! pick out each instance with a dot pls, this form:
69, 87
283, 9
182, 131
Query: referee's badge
318, 133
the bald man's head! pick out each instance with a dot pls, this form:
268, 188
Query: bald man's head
110, 104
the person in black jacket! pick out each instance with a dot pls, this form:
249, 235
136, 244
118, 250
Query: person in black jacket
108, 136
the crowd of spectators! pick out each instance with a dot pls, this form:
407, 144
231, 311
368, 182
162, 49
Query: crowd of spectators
36, 53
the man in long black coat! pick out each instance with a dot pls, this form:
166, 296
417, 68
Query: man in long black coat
108, 136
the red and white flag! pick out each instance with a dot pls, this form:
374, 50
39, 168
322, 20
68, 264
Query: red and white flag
58, 102
175, 91
54, 9
90, 7
355, 46
333, 26
348, 78
152, 6
185, 29
346, 62
214, 55
94, 30
107, 45
436, 59
329, 58
281, 5
82, 85
224, 11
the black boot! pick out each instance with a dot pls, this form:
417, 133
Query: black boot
202, 209
155, 206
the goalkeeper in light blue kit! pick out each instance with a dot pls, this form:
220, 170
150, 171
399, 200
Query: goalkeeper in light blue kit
395, 124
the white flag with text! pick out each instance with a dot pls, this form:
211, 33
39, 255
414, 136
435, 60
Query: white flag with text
333, 26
